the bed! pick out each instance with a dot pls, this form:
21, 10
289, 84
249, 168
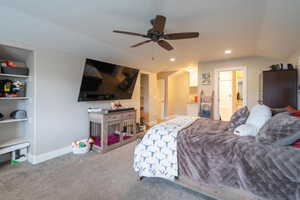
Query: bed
210, 159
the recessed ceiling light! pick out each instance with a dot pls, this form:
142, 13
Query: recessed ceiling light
172, 59
228, 51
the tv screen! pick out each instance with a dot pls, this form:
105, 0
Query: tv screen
106, 81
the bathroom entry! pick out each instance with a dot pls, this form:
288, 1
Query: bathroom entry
231, 92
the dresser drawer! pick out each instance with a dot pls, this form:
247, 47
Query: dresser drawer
129, 115
114, 117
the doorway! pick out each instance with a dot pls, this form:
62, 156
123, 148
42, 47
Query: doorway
231, 91
144, 99
162, 98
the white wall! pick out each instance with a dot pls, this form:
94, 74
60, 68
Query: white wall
255, 66
60, 118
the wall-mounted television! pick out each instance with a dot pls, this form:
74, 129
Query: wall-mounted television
106, 81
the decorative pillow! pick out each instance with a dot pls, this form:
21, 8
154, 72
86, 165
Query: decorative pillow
280, 126
238, 118
296, 144
297, 114
259, 115
245, 130
293, 111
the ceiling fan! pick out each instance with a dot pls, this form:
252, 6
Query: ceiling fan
156, 34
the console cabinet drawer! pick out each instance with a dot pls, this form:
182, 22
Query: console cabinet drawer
110, 118
130, 115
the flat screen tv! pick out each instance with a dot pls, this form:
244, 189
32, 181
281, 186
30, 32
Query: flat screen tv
106, 81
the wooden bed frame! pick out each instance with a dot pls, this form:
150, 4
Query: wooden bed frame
222, 192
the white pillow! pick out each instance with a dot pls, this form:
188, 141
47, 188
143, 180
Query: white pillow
245, 130
259, 115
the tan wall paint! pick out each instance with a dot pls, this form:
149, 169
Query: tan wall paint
164, 75
295, 60
234, 88
178, 93
255, 65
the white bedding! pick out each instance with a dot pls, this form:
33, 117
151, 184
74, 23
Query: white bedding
156, 155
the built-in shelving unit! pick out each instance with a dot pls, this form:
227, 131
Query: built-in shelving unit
16, 134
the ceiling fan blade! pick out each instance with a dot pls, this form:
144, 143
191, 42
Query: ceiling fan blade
141, 43
159, 23
165, 45
180, 36
129, 33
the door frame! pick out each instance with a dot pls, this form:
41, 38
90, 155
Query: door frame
146, 100
216, 86
162, 100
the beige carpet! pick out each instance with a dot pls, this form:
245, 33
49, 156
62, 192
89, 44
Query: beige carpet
92, 176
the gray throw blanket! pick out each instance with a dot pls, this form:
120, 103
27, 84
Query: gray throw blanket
208, 154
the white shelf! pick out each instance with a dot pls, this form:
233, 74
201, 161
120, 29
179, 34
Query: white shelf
13, 76
5, 121
13, 144
14, 98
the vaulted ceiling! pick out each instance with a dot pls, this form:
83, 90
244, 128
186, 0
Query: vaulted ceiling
247, 27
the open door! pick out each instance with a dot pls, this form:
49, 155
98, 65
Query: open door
225, 95
231, 92
144, 99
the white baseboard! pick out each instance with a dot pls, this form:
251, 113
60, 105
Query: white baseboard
36, 159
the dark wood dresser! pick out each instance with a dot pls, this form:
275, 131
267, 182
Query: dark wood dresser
280, 88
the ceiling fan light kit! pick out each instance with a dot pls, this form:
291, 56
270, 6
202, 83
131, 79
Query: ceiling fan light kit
156, 34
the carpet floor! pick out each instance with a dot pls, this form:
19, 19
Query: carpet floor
92, 176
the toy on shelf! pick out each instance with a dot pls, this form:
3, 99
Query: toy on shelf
206, 105
8, 63
13, 68
9, 88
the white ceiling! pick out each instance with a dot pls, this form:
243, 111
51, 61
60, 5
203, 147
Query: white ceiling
248, 27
